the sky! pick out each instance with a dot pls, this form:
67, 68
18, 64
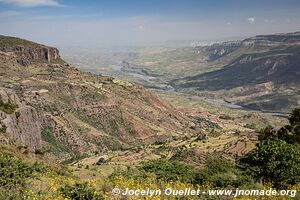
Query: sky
144, 22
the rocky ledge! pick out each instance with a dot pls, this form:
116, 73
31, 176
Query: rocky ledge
28, 51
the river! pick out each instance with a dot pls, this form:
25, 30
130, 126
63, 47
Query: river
235, 106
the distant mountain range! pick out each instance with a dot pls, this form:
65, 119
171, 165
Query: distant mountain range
262, 72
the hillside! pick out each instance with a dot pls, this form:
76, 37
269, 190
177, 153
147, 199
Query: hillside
263, 73
68, 134
77, 113
258, 73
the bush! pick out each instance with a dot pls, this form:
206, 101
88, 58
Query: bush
294, 117
101, 161
18, 114
79, 191
289, 133
274, 161
267, 133
170, 170
2, 128
8, 108
225, 117
250, 126
216, 173
222, 173
39, 151
14, 174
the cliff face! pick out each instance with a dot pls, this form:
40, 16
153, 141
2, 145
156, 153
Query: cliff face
27, 51
19, 121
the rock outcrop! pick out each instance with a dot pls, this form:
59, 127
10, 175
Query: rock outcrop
42, 53
19, 121
28, 51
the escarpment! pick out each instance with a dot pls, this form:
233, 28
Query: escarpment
18, 121
28, 51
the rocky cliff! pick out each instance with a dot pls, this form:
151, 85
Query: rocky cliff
18, 121
28, 51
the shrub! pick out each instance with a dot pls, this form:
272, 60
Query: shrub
101, 161
225, 117
267, 133
14, 174
39, 151
274, 161
18, 114
289, 133
79, 191
216, 173
8, 108
250, 126
170, 170
3, 128
222, 173
294, 117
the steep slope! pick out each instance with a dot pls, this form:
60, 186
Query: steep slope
19, 120
80, 113
263, 73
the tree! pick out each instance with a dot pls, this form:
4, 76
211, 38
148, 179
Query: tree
274, 161
294, 117
289, 133
267, 133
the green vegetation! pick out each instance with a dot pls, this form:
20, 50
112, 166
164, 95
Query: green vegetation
14, 173
274, 161
294, 118
13, 41
52, 108
216, 173
289, 133
75, 157
3, 128
222, 173
250, 126
58, 61
170, 170
8, 108
206, 122
18, 114
276, 158
225, 117
92, 96
101, 161
56, 145
79, 191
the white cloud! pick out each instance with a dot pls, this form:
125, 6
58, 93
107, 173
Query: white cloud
251, 20
229, 23
32, 3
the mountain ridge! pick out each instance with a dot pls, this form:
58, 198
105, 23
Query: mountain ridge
81, 113
263, 59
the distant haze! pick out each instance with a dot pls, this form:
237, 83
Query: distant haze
133, 22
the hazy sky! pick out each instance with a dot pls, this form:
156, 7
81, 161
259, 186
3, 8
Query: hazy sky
121, 22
